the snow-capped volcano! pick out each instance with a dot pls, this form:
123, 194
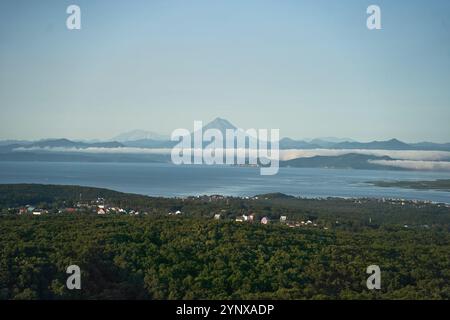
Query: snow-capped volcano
221, 124
135, 135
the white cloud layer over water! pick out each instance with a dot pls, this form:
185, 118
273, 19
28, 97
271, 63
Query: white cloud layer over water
395, 154
408, 159
415, 165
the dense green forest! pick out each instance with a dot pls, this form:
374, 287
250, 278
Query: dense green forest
192, 256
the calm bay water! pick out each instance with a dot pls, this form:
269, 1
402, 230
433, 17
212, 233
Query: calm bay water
170, 180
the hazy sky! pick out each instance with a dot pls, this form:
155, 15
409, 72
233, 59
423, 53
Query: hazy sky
309, 68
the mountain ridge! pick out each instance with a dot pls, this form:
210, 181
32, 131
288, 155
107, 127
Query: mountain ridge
148, 139
139, 134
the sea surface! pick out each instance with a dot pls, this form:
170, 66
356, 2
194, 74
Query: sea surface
170, 180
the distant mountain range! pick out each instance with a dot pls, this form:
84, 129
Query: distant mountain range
58, 143
146, 139
288, 143
115, 150
393, 144
139, 135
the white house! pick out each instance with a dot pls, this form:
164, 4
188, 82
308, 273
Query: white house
265, 220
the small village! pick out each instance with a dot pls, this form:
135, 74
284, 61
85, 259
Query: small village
99, 206
103, 207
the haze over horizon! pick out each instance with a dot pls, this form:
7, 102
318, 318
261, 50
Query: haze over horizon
310, 68
141, 134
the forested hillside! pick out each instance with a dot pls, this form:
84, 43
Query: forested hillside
192, 258
155, 255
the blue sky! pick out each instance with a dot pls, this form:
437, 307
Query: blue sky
309, 68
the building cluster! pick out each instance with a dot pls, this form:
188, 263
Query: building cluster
307, 223
266, 220
31, 210
98, 206
400, 202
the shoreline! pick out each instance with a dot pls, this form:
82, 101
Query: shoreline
249, 197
